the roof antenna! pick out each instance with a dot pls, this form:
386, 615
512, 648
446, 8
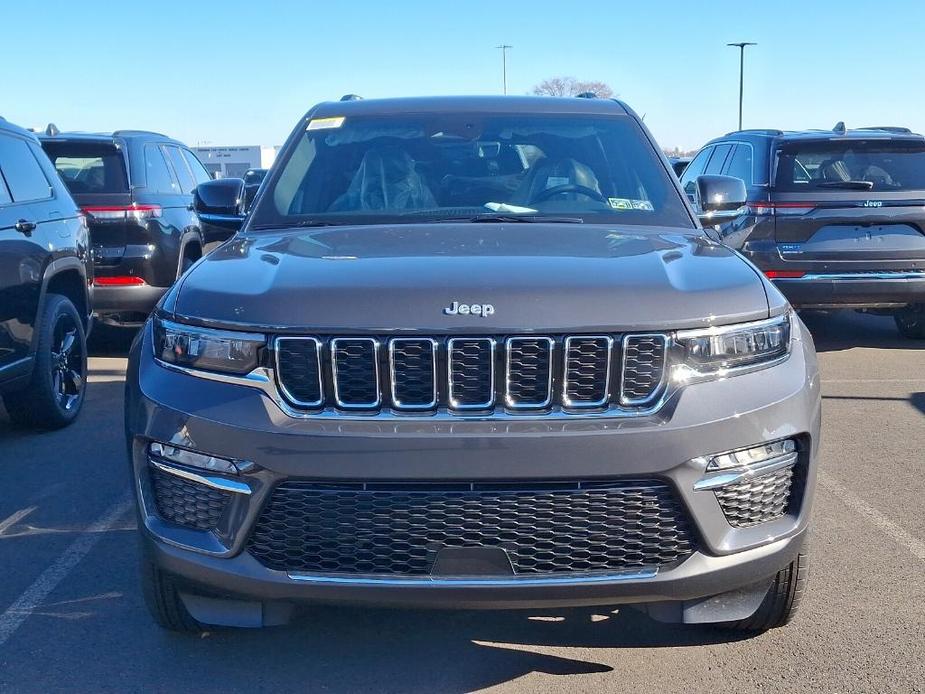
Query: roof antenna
52, 130
351, 97
839, 127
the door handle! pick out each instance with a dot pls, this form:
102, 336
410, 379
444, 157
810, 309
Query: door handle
25, 226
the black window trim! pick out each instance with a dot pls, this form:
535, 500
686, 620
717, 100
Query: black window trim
728, 161
173, 172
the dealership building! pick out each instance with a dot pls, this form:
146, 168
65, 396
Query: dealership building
233, 162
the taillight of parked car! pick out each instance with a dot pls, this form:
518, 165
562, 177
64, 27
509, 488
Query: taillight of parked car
781, 209
121, 213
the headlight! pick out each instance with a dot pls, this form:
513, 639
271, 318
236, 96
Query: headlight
205, 348
713, 351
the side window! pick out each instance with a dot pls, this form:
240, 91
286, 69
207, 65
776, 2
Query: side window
716, 162
693, 170
180, 168
740, 163
199, 171
157, 173
5, 198
21, 170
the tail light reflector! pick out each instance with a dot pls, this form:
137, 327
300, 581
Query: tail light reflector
118, 281
121, 213
783, 274
771, 209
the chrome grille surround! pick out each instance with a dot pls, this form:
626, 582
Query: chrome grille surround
462, 354
583, 372
643, 380
534, 355
347, 357
403, 348
310, 382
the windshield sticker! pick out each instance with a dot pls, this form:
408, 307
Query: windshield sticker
620, 203
325, 123
642, 205
556, 181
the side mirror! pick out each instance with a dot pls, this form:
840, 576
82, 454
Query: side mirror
220, 203
718, 199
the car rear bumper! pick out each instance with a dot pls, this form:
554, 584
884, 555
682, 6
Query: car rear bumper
124, 305
242, 423
854, 290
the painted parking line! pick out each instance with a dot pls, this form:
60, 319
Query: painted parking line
8, 523
34, 595
855, 503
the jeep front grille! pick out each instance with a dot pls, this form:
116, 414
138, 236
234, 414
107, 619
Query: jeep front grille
472, 375
399, 528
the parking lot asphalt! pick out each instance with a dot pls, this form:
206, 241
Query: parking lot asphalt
71, 615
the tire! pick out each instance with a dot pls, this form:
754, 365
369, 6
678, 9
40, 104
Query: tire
164, 602
58, 385
910, 321
782, 601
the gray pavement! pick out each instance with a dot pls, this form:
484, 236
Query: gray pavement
71, 616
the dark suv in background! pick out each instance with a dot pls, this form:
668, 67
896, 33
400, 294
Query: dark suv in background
136, 189
45, 271
836, 218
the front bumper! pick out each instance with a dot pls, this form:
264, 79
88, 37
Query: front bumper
241, 423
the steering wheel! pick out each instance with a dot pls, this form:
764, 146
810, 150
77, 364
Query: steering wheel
567, 188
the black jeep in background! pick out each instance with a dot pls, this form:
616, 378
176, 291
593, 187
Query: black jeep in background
136, 189
836, 218
45, 271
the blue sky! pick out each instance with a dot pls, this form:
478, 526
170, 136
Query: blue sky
242, 72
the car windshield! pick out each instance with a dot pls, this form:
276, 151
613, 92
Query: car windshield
863, 165
436, 167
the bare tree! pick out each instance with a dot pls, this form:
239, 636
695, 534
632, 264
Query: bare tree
569, 86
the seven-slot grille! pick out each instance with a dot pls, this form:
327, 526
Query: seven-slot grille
398, 529
472, 374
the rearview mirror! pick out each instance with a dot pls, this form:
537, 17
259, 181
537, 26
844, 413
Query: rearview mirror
719, 199
219, 204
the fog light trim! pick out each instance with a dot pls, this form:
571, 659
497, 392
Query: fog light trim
182, 456
220, 483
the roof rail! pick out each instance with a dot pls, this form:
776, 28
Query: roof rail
757, 131
887, 128
130, 131
351, 97
840, 128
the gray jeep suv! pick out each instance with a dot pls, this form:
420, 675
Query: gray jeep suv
473, 353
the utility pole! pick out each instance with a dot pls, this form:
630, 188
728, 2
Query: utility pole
504, 48
741, 46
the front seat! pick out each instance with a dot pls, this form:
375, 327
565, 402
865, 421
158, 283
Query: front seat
549, 173
385, 180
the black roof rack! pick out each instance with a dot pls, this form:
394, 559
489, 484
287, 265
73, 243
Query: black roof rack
351, 97
887, 128
122, 133
757, 131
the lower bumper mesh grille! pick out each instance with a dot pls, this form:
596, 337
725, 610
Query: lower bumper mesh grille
756, 500
187, 503
546, 529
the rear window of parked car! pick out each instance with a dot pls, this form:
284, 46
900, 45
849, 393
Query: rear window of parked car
89, 167
863, 165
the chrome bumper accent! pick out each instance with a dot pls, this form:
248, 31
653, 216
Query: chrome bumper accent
841, 276
473, 582
212, 481
722, 478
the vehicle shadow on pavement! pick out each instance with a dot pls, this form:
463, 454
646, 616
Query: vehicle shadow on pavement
917, 400
345, 649
834, 331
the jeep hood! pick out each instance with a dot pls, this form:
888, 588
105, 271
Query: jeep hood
538, 277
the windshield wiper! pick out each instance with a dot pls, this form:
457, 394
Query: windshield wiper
493, 218
849, 185
296, 225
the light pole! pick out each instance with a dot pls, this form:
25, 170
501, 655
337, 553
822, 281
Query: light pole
741, 46
504, 48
